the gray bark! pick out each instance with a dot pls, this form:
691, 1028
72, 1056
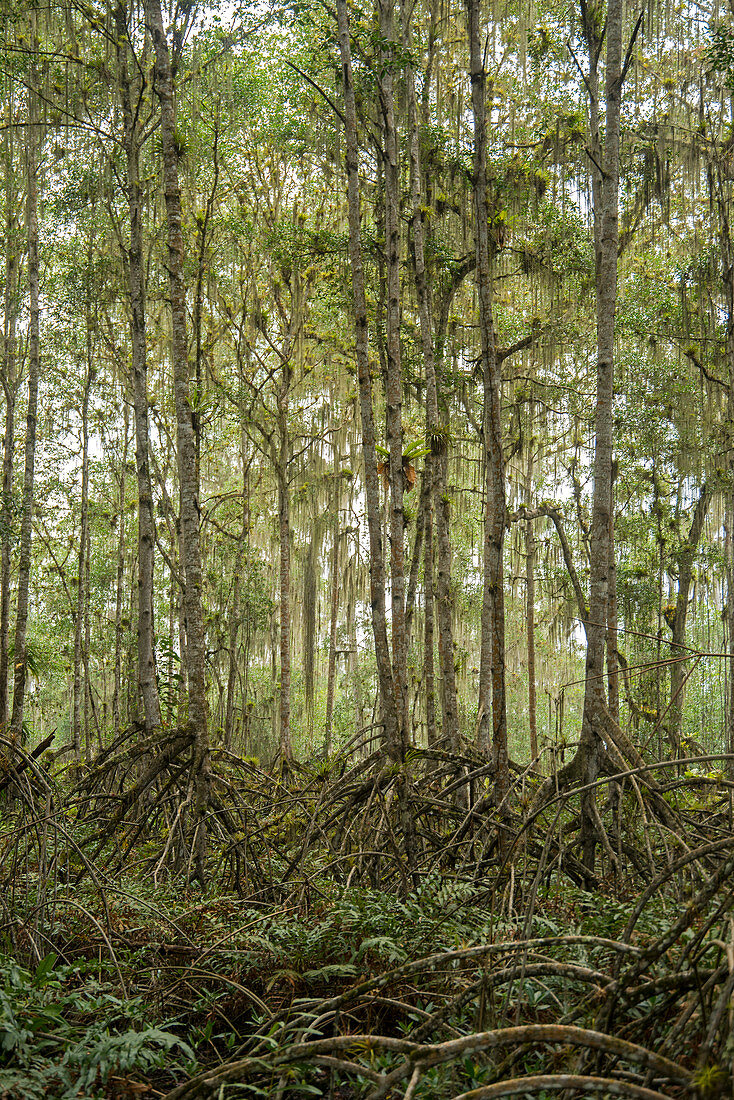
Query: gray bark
492, 695
606, 196
284, 527
394, 382
686, 557
34, 356
119, 586
333, 613
429, 674
388, 702
81, 576
10, 386
195, 658
530, 610
136, 291
612, 628
437, 466
234, 626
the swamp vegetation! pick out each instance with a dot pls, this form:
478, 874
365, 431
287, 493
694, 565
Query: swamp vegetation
367, 550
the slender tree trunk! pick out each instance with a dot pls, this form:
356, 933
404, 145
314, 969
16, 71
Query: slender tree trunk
530, 609
6, 551
81, 588
393, 681
185, 438
612, 627
119, 587
429, 675
686, 558
333, 610
417, 556
729, 741
730, 518
183, 682
388, 702
607, 238
26, 527
727, 255
284, 526
132, 695
437, 441
492, 696
234, 625
89, 706
136, 290
9, 383
394, 381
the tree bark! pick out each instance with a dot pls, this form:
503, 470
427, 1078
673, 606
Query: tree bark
81, 575
729, 739
727, 256
388, 702
607, 240
392, 680
34, 355
530, 609
234, 626
729, 743
437, 439
612, 627
333, 610
429, 675
417, 555
136, 290
10, 387
185, 439
492, 695
394, 381
686, 557
284, 527
119, 586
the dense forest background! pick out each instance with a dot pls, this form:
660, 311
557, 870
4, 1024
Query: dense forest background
367, 549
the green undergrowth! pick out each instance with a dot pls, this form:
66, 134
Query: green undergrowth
153, 983
65, 1033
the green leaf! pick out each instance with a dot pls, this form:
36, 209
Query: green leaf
44, 968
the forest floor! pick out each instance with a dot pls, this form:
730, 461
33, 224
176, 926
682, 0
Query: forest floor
317, 960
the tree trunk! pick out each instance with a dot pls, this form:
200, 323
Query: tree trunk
607, 239
333, 611
729, 739
492, 696
388, 704
119, 589
9, 384
686, 557
136, 290
392, 680
612, 627
234, 625
437, 441
429, 675
285, 745
727, 256
81, 588
530, 609
417, 556
394, 381
729, 742
90, 709
26, 527
185, 439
